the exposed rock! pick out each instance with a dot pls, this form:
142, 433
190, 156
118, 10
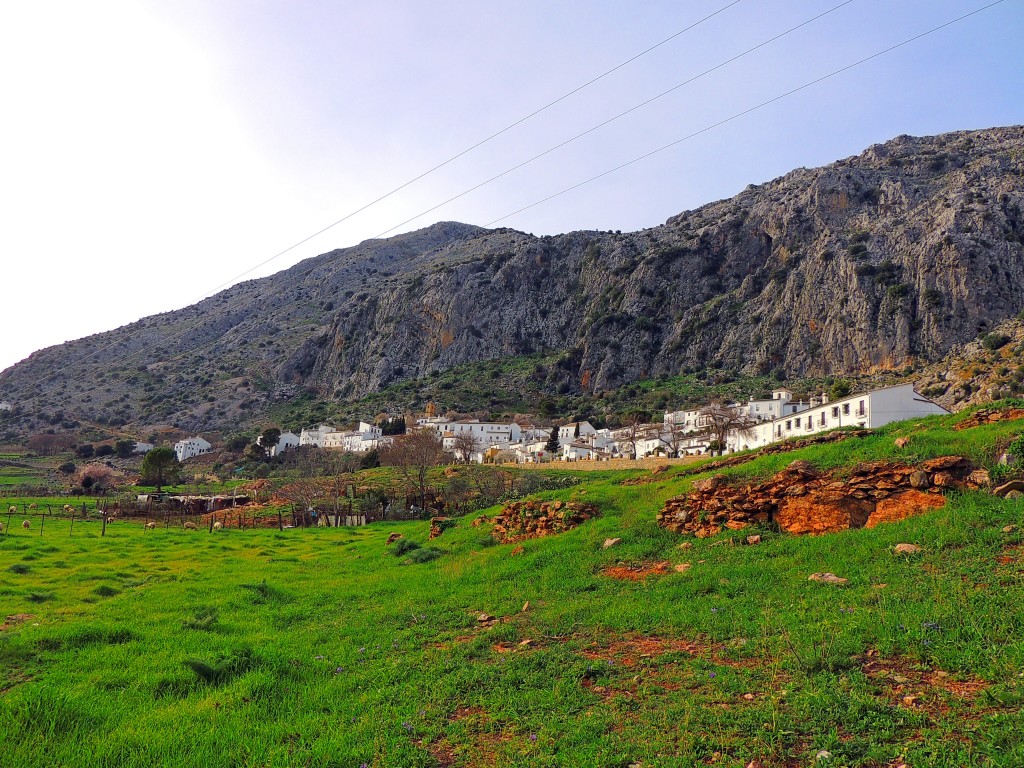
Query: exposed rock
1013, 495
682, 567
753, 539
936, 218
609, 543
906, 549
438, 525
802, 500
828, 578
392, 538
1009, 528
1005, 488
902, 442
990, 416
521, 520
518, 549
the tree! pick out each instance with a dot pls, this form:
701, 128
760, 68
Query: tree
124, 448
552, 445
267, 441
464, 445
840, 389
160, 467
413, 454
720, 419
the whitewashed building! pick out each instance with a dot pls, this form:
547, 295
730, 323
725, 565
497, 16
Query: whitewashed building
191, 447
868, 410
486, 433
315, 436
286, 441
366, 437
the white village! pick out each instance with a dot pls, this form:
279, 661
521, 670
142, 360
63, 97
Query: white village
708, 429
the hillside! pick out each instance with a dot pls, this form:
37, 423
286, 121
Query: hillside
874, 263
329, 647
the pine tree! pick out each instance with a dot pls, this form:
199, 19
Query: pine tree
552, 445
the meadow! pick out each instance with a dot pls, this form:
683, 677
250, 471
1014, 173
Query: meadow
321, 647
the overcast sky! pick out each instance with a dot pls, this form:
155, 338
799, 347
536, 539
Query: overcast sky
153, 150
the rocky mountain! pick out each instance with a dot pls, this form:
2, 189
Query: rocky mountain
877, 262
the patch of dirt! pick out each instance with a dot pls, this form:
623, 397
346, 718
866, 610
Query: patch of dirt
15, 619
481, 750
904, 505
638, 571
915, 688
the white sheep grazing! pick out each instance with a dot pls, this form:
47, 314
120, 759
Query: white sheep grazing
32, 506
190, 526
218, 525
68, 508
151, 525
13, 509
26, 524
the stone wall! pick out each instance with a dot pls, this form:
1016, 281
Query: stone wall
801, 499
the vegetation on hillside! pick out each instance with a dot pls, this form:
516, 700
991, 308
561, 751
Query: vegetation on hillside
319, 647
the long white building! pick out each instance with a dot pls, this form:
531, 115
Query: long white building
869, 410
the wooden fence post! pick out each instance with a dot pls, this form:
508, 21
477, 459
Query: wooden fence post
42, 522
104, 531
72, 528
280, 521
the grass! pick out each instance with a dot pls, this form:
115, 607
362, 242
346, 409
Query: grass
320, 647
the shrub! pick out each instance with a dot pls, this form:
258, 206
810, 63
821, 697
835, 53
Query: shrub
425, 554
994, 341
404, 545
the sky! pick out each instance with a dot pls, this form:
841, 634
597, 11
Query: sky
155, 151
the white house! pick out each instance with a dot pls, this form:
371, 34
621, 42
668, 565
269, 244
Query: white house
567, 433
870, 410
366, 437
315, 436
189, 447
286, 441
486, 433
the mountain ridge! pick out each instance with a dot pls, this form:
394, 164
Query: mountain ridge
878, 261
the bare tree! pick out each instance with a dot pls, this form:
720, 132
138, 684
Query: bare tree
464, 445
719, 419
413, 454
673, 436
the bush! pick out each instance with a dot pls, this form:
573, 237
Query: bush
425, 554
404, 545
994, 341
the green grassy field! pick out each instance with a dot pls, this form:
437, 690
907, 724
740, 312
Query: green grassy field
319, 647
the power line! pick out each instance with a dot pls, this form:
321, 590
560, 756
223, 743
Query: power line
480, 143
744, 112
616, 117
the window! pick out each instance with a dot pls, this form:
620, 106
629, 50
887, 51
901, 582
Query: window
798, 422
846, 409
835, 412
860, 408
789, 425
822, 422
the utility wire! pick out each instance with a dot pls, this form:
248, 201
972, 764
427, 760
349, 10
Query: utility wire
480, 143
616, 117
745, 112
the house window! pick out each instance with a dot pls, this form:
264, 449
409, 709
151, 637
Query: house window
822, 419
846, 409
798, 422
835, 412
789, 425
860, 408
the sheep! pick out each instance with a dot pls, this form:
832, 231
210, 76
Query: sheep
32, 507
26, 524
68, 508
12, 509
151, 525
1, 527
218, 525
190, 526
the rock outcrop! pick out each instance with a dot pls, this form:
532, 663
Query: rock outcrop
534, 519
871, 263
803, 500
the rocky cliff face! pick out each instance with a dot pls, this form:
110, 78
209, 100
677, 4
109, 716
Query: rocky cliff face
874, 262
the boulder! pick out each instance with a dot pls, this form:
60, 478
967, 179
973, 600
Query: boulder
828, 578
609, 543
1005, 488
906, 549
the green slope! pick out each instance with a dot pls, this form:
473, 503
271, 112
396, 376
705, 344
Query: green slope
321, 648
